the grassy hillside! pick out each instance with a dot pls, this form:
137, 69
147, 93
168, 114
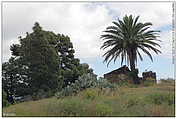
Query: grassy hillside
157, 100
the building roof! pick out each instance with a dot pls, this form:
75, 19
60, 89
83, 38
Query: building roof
122, 70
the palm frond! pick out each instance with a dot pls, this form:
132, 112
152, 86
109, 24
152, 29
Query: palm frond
126, 37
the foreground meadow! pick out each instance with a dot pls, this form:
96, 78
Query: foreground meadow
156, 100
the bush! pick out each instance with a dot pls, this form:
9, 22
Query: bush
123, 83
84, 82
40, 94
71, 107
160, 98
171, 99
103, 83
90, 94
149, 82
131, 102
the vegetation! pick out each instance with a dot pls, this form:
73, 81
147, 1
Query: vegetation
126, 38
156, 100
43, 70
84, 82
5, 102
42, 64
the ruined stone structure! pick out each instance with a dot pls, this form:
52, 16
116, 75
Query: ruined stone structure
121, 74
118, 75
149, 76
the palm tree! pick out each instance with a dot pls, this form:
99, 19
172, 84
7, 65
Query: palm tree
126, 38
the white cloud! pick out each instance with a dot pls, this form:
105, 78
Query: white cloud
83, 26
159, 13
167, 43
6, 48
82, 22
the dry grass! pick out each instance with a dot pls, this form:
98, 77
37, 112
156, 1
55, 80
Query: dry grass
125, 101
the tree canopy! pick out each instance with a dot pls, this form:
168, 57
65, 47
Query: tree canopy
42, 61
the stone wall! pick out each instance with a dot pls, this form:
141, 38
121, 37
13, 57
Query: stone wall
115, 78
118, 75
122, 74
149, 76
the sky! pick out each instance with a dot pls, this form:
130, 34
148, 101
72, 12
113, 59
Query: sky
84, 22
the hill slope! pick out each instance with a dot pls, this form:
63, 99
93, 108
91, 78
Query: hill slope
155, 100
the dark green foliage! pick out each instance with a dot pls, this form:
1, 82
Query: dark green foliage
126, 38
41, 59
5, 102
68, 63
70, 67
42, 64
14, 78
39, 65
133, 75
42, 94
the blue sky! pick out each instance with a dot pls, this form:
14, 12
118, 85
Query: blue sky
163, 67
84, 22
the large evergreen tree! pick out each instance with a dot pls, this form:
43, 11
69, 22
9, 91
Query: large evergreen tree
41, 58
47, 60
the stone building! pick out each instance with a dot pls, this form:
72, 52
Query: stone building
149, 75
118, 75
122, 74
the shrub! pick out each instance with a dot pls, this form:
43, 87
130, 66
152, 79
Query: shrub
171, 99
40, 94
90, 94
149, 82
103, 83
159, 98
131, 102
71, 107
84, 82
123, 83
5, 102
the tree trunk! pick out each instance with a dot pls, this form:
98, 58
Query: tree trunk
132, 64
134, 71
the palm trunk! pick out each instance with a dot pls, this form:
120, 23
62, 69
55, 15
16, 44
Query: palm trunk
132, 68
132, 65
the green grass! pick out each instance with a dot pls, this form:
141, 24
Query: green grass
156, 100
